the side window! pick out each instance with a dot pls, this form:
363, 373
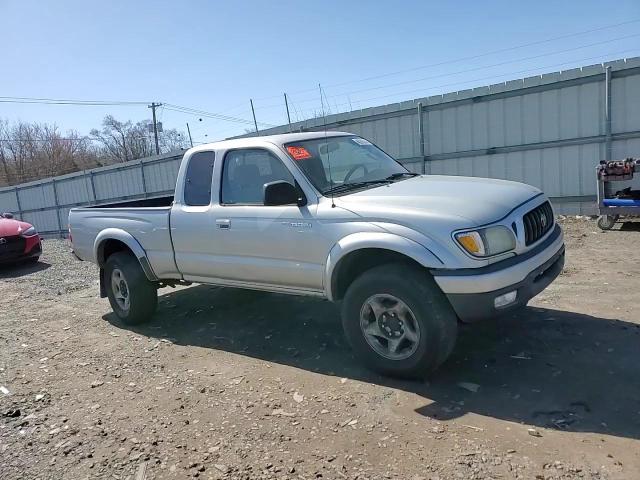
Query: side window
197, 187
245, 172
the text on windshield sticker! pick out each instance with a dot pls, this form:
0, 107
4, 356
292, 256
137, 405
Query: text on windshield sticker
298, 153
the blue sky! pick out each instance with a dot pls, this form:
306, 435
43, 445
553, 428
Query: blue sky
214, 56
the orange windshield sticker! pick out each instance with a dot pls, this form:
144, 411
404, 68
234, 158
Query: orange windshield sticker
298, 153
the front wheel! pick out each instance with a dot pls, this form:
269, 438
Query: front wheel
398, 321
132, 296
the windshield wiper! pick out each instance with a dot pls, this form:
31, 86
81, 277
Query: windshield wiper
343, 187
401, 174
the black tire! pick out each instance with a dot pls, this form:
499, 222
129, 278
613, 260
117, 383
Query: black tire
429, 307
142, 294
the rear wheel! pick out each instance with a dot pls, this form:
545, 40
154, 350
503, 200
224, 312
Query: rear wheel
132, 296
398, 321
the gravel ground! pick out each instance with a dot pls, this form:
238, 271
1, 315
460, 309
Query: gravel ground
232, 384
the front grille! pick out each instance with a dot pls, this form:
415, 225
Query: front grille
11, 247
537, 223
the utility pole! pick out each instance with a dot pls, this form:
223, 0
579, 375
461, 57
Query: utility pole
286, 104
254, 115
189, 130
153, 107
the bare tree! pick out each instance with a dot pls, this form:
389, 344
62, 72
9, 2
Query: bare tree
124, 141
30, 151
171, 140
5, 159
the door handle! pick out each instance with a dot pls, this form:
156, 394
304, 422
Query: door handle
223, 223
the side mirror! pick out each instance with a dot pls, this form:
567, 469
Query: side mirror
7, 215
282, 193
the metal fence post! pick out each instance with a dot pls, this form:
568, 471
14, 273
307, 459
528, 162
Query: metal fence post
421, 136
608, 143
55, 199
144, 180
18, 203
86, 188
607, 113
93, 187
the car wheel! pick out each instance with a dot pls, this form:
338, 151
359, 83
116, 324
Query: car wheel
398, 321
132, 296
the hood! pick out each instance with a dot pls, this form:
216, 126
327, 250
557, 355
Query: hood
9, 228
466, 201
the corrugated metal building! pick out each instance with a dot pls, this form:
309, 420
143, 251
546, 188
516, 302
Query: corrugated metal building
550, 131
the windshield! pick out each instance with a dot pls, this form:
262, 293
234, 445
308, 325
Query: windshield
344, 163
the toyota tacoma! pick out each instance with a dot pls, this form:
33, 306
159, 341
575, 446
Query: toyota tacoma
329, 214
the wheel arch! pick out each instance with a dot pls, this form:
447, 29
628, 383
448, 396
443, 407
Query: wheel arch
359, 252
112, 240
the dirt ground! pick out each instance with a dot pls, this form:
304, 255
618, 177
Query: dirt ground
232, 384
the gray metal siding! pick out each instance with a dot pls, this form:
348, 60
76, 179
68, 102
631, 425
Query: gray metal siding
161, 177
74, 190
8, 202
45, 220
119, 183
625, 104
37, 196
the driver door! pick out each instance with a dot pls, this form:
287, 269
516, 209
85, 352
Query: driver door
264, 245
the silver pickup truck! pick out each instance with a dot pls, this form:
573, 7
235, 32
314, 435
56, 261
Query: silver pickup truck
331, 215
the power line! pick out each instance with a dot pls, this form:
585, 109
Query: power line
464, 59
480, 79
9, 140
204, 113
502, 50
217, 116
507, 62
58, 101
233, 119
56, 139
431, 77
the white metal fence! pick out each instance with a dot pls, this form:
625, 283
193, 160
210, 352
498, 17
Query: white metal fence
549, 131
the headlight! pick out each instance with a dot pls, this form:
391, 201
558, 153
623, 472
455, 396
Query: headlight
487, 242
29, 232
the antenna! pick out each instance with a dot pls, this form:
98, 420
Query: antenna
324, 121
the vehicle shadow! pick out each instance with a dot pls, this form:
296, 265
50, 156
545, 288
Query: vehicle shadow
542, 367
630, 227
20, 269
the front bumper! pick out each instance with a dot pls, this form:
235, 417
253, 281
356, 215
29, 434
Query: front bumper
30, 247
472, 294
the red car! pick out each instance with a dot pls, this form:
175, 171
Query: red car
18, 240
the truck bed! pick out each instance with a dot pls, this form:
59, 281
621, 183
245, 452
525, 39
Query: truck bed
140, 203
146, 220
